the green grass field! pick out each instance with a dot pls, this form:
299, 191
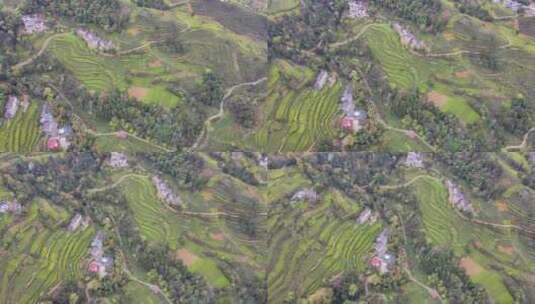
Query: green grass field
279, 6
21, 133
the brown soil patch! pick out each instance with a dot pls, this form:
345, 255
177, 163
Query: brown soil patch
502, 206
471, 267
155, 64
449, 36
322, 295
138, 92
207, 173
186, 256
220, 236
507, 249
463, 74
437, 98
207, 195
133, 31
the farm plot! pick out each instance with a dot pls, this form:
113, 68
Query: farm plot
194, 238
95, 72
39, 259
149, 213
21, 133
444, 227
403, 69
310, 244
300, 120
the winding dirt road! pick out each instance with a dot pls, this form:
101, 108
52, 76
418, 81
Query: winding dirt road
22, 64
207, 123
524, 143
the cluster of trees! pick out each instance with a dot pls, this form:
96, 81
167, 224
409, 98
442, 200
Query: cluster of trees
60, 180
156, 4
314, 27
172, 42
476, 169
519, 117
177, 127
10, 24
244, 110
109, 14
168, 273
238, 171
441, 266
172, 276
210, 89
439, 128
235, 168
426, 14
473, 8
346, 170
183, 167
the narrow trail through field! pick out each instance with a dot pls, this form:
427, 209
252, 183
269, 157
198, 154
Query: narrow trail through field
154, 288
134, 49
41, 51
119, 181
524, 143
406, 184
406, 267
87, 130
207, 123
431, 291
379, 119
351, 39
116, 133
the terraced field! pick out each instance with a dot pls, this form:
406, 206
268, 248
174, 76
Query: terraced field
39, 258
299, 120
403, 69
309, 245
95, 72
149, 213
445, 228
21, 133
201, 242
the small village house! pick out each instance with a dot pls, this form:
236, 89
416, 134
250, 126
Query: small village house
321, 80
354, 119
12, 105
414, 160
93, 41
118, 160
33, 23
382, 260
99, 263
53, 143
75, 222
408, 39
358, 9
457, 198
307, 194
165, 193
